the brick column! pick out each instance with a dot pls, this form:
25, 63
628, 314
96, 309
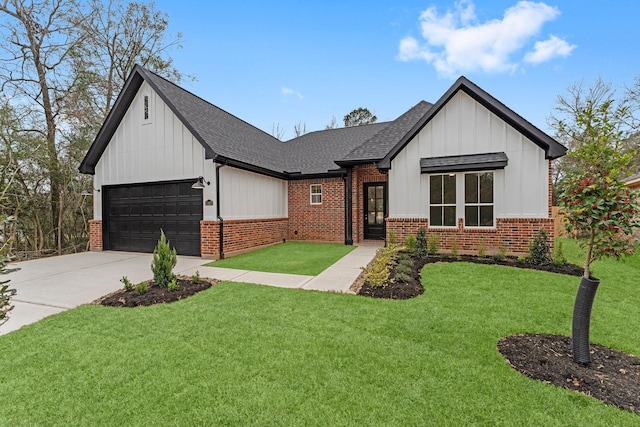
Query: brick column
95, 234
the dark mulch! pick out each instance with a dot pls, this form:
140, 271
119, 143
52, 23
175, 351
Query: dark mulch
612, 377
155, 294
396, 289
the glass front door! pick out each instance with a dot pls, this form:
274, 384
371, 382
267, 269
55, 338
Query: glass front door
375, 208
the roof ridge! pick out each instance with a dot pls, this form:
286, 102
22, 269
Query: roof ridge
205, 101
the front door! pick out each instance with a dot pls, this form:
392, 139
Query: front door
375, 208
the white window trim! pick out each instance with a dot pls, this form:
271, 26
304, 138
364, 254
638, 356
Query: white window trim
312, 193
460, 203
444, 204
493, 204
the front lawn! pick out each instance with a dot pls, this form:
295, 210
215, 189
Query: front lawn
241, 354
291, 257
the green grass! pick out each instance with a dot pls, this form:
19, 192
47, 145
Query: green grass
290, 257
241, 354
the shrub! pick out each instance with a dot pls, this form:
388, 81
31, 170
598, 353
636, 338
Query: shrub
539, 249
501, 255
410, 243
482, 249
173, 285
378, 271
558, 257
5, 292
402, 257
433, 244
421, 243
403, 277
454, 248
403, 269
164, 260
142, 288
522, 259
128, 286
392, 237
196, 277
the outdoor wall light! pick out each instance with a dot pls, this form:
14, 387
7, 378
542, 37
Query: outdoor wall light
199, 184
89, 193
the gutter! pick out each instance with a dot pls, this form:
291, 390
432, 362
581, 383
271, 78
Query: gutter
218, 211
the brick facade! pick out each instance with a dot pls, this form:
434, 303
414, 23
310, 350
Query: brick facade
95, 234
511, 234
323, 222
241, 235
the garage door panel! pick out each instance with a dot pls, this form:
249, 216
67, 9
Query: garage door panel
137, 213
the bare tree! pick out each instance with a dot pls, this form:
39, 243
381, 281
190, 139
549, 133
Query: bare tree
333, 124
300, 129
277, 131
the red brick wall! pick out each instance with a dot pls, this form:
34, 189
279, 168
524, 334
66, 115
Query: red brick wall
361, 175
241, 235
95, 234
324, 222
512, 234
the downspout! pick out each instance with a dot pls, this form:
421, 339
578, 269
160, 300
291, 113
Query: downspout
348, 208
218, 212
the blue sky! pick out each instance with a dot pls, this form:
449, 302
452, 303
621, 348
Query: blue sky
289, 62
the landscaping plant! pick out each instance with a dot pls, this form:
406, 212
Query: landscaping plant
421, 243
5, 292
539, 249
128, 286
432, 244
164, 260
598, 208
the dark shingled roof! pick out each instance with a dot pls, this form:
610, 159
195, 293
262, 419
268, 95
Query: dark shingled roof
379, 144
316, 152
467, 162
228, 139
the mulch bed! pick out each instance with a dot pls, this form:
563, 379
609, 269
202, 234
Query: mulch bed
612, 377
155, 294
396, 289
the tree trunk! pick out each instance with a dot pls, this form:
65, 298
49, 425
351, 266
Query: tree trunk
582, 318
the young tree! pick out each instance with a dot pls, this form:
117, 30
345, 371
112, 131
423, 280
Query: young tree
598, 207
359, 116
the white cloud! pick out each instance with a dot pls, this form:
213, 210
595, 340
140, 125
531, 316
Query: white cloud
546, 50
456, 42
290, 92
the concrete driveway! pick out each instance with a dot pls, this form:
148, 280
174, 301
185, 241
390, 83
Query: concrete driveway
48, 286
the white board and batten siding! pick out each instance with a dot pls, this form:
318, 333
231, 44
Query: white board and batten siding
248, 195
163, 149
464, 126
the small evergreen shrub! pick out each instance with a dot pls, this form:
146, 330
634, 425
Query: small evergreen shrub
501, 255
403, 269
5, 292
142, 288
539, 249
433, 241
164, 260
421, 243
173, 285
196, 277
410, 243
404, 257
522, 259
128, 286
392, 238
558, 257
403, 277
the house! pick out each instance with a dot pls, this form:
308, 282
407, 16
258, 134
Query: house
633, 182
467, 167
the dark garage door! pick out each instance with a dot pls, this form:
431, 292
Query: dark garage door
135, 214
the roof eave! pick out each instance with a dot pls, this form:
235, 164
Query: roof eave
552, 148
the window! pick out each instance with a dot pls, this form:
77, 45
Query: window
478, 199
442, 200
316, 194
146, 108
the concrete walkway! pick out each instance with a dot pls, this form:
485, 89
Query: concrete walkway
49, 286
